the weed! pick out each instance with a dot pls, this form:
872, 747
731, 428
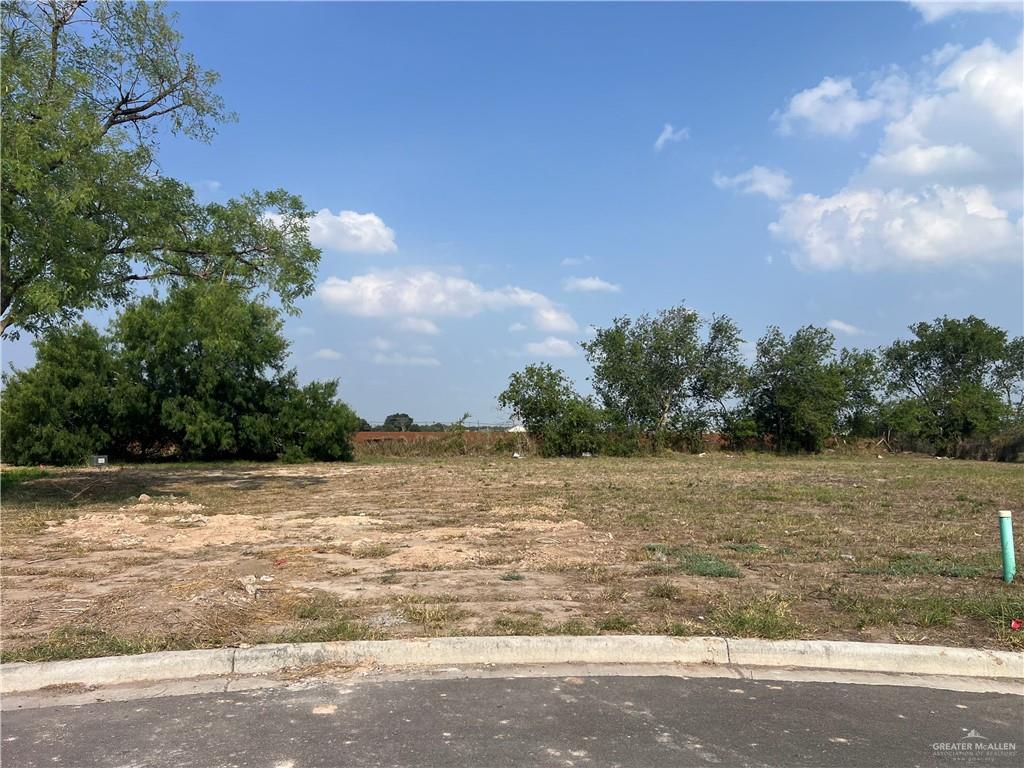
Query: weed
692, 562
511, 576
571, 627
319, 607
766, 617
930, 611
663, 590
341, 628
918, 564
13, 476
367, 551
89, 642
613, 594
519, 624
432, 617
616, 623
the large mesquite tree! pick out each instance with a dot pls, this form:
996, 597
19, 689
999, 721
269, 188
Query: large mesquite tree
955, 379
87, 90
672, 371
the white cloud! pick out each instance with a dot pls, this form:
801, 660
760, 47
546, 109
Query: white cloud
380, 344
942, 55
415, 292
575, 261
963, 126
351, 232
304, 330
759, 180
517, 327
933, 10
846, 328
549, 318
944, 187
325, 353
396, 358
419, 325
591, 285
670, 134
926, 162
834, 107
871, 229
551, 347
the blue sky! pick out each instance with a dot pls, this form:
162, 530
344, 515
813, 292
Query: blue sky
491, 180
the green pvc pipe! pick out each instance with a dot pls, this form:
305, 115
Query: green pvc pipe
1006, 539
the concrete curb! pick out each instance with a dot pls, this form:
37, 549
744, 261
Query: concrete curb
447, 651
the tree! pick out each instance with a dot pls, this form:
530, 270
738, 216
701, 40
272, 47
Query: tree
1008, 376
204, 371
58, 412
86, 92
398, 422
199, 374
536, 396
862, 381
953, 380
545, 401
795, 389
314, 425
657, 373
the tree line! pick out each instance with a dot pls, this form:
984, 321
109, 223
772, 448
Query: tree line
956, 387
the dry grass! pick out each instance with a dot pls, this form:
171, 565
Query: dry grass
848, 547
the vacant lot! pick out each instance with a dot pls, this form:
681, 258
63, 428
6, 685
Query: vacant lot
891, 549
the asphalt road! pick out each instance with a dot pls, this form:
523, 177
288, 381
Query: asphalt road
661, 722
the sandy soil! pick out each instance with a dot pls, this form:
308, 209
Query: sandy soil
243, 553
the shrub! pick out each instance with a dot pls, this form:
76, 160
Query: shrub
58, 411
199, 374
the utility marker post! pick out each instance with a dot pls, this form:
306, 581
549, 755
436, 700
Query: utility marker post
1006, 539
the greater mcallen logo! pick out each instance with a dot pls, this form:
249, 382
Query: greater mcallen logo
973, 744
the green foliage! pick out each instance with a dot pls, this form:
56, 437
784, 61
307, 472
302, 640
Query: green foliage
58, 412
536, 396
204, 371
1008, 376
862, 381
86, 642
545, 401
954, 380
87, 92
398, 422
573, 431
795, 389
768, 617
315, 422
17, 475
656, 373
198, 375
667, 381
663, 590
616, 623
920, 564
690, 561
